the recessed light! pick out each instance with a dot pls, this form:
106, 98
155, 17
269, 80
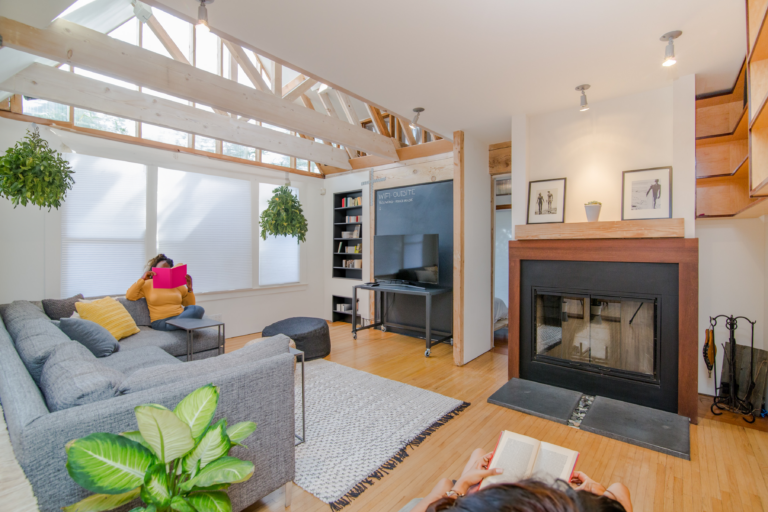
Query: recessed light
583, 105
669, 51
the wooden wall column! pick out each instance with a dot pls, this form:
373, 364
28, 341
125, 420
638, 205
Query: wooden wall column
458, 248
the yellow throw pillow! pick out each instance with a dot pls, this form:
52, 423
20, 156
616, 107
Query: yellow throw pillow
109, 314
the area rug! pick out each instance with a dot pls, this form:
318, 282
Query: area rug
359, 428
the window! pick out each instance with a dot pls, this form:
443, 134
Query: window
205, 222
275, 159
45, 109
103, 226
166, 135
107, 123
238, 151
278, 255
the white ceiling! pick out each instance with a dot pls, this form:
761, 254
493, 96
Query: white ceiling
474, 64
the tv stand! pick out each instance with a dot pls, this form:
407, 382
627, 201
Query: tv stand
405, 289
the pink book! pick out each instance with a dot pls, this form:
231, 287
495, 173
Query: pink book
166, 278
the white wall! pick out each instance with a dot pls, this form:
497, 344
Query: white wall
30, 266
478, 301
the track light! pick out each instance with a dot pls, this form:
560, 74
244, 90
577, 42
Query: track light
584, 106
418, 111
669, 51
202, 15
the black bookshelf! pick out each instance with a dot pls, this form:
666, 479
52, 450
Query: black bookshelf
341, 224
344, 316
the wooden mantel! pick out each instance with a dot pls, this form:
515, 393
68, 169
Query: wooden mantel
681, 251
653, 228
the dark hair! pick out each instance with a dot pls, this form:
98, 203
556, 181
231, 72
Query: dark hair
528, 496
157, 259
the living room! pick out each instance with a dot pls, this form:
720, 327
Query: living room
251, 266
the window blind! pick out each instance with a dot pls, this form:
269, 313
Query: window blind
278, 255
103, 226
205, 222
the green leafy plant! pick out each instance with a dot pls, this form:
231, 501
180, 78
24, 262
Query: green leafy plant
32, 172
284, 216
592, 203
177, 460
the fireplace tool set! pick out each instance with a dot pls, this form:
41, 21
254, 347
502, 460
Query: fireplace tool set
726, 396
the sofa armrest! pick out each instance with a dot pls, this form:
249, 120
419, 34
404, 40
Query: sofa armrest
261, 391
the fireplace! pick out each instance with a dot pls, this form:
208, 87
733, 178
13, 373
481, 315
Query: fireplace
613, 318
602, 328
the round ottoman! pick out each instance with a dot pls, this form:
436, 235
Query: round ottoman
310, 334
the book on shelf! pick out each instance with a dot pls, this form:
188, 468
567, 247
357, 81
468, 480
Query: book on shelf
352, 218
524, 457
351, 201
341, 246
356, 232
352, 263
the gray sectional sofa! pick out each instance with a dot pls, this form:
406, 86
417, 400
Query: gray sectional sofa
53, 391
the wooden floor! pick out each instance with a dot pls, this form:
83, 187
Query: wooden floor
728, 470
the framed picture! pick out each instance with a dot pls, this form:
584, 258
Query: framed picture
546, 201
646, 194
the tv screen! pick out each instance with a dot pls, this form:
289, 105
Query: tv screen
412, 258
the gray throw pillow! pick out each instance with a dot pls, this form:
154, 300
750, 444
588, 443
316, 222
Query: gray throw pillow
74, 382
93, 336
57, 309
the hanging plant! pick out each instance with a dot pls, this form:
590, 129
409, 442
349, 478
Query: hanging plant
32, 172
283, 216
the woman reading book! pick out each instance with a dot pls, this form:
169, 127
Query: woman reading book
583, 494
164, 304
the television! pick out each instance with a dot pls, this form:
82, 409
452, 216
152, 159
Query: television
409, 258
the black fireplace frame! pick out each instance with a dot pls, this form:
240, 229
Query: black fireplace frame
613, 279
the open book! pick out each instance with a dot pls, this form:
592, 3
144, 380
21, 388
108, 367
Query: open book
170, 277
523, 457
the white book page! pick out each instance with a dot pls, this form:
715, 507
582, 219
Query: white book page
515, 454
554, 462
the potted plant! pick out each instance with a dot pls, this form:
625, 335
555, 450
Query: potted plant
32, 172
284, 216
176, 460
593, 210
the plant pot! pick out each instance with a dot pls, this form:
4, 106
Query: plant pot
593, 212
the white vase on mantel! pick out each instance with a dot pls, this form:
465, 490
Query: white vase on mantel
593, 212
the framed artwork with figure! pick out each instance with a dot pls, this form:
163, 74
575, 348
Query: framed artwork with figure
546, 201
646, 194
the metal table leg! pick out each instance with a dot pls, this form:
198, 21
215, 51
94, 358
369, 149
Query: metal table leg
303, 437
429, 326
354, 312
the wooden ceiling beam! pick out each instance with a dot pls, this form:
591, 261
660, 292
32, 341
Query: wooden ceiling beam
277, 79
378, 120
300, 89
253, 74
348, 108
325, 99
51, 84
64, 41
406, 126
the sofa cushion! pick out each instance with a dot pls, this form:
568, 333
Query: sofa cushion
69, 351
93, 336
129, 361
75, 382
35, 342
110, 314
173, 342
60, 308
138, 310
19, 311
164, 375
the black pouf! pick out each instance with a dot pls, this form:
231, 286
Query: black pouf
311, 335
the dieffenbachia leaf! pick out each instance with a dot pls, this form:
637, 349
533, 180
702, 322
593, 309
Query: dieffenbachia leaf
156, 486
180, 504
136, 436
226, 470
101, 502
240, 431
197, 409
214, 444
166, 434
107, 463
216, 501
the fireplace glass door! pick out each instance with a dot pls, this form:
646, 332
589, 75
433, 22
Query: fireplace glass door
616, 335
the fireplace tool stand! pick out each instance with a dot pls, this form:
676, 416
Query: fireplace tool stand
726, 396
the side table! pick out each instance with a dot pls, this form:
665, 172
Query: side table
193, 324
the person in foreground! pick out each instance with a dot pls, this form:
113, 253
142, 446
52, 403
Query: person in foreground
582, 495
165, 304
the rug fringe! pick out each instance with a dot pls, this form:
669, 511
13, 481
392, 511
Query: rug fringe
396, 459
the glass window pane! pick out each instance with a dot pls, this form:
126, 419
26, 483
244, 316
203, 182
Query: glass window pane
206, 50
275, 159
99, 121
179, 30
104, 78
278, 255
302, 165
205, 143
103, 220
128, 32
242, 78
313, 168
166, 135
150, 42
238, 151
205, 222
43, 108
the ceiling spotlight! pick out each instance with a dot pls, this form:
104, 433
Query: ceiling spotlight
202, 15
584, 106
418, 111
669, 52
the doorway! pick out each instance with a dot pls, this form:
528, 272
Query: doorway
501, 235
